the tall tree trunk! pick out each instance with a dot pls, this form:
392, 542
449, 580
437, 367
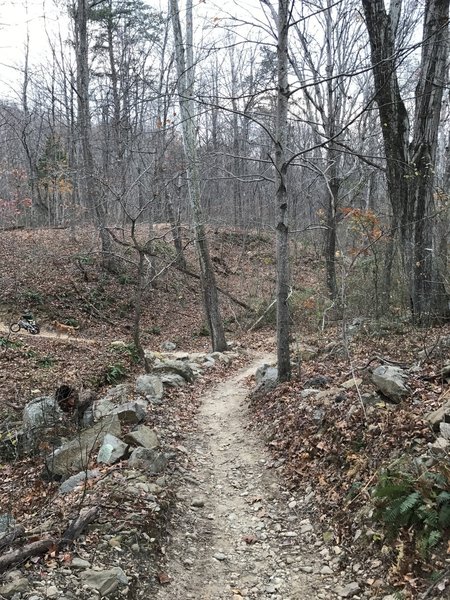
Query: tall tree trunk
91, 188
185, 85
429, 298
410, 171
282, 238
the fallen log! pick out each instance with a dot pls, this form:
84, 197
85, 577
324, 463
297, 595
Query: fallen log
39, 547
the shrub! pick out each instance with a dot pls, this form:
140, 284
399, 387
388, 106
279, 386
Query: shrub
413, 498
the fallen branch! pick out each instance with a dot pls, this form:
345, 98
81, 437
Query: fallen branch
74, 529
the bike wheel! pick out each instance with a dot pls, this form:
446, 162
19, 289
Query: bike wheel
14, 327
35, 329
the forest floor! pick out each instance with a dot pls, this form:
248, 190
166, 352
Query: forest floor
267, 495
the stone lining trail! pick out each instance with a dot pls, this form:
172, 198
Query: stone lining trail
236, 534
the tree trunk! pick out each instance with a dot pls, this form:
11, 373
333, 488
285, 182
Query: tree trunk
410, 172
185, 71
91, 189
429, 297
282, 239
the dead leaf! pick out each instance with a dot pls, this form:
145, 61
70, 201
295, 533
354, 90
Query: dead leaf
163, 577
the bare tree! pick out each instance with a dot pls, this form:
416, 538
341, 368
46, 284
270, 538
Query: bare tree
185, 85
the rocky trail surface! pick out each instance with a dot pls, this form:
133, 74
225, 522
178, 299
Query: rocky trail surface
236, 533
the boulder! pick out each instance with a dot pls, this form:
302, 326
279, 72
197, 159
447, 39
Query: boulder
444, 429
131, 412
266, 375
106, 581
116, 396
175, 366
142, 436
173, 380
70, 484
74, 456
111, 450
148, 459
40, 417
149, 386
390, 381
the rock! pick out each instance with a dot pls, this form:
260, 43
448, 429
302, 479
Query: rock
39, 419
390, 381
350, 383
79, 563
306, 393
168, 346
326, 570
142, 436
318, 381
148, 459
17, 586
220, 556
116, 396
178, 367
131, 412
52, 591
446, 371
172, 380
70, 484
266, 378
149, 386
111, 450
198, 503
7, 523
105, 582
444, 429
439, 415
74, 456
347, 591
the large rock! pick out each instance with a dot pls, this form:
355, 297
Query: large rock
111, 450
142, 436
149, 386
148, 459
70, 484
266, 378
106, 581
173, 380
175, 366
390, 381
75, 455
40, 416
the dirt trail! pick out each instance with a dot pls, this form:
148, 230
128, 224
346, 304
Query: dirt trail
4, 328
237, 534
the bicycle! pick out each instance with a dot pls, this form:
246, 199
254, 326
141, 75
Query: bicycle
30, 326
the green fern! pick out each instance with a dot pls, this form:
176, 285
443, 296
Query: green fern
407, 498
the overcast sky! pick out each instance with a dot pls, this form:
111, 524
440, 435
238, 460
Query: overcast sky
43, 18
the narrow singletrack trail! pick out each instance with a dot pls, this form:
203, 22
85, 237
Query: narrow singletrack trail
236, 534
4, 328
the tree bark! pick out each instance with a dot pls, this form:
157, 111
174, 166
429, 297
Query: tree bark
185, 84
282, 229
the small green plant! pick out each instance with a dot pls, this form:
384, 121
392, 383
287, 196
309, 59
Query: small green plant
203, 331
125, 279
410, 497
46, 361
115, 373
127, 350
5, 343
155, 330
